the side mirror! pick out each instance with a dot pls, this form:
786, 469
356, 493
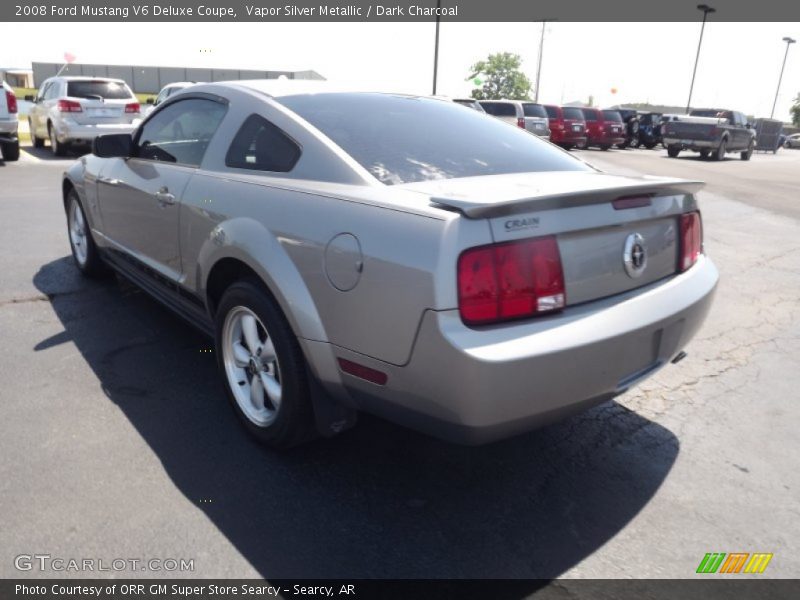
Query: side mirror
151, 101
30, 98
113, 145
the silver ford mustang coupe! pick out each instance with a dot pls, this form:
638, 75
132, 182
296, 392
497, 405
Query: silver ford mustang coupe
395, 254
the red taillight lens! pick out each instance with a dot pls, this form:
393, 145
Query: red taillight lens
510, 280
521, 122
11, 102
691, 239
133, 107
69, 106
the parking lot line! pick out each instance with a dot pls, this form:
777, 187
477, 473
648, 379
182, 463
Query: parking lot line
29, 157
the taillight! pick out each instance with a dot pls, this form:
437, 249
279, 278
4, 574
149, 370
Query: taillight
69, 106
521, 122
11, 101
133, 107
510, 281
556, 125
691, 239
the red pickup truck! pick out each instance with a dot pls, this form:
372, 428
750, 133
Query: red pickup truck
604, 128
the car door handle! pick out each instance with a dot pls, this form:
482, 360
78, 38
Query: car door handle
109, 180
164, 197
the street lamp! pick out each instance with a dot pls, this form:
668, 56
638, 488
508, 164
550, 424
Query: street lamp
436, 47
706, 10
789, 41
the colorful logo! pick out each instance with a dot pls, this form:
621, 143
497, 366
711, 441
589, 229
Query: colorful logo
735, 562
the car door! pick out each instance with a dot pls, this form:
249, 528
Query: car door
139, 196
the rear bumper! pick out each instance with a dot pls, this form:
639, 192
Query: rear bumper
8, 129
475, 386
691, 144
606, 140
67, 131
568, 137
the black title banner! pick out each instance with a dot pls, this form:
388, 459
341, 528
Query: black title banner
389, 11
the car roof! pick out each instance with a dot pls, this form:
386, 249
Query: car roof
86, 78
278, 88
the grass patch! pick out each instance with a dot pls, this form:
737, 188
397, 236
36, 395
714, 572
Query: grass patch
20, 93
144, 97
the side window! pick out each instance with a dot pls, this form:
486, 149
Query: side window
489, 107
261, 146
43, 91
162, 95
180, 133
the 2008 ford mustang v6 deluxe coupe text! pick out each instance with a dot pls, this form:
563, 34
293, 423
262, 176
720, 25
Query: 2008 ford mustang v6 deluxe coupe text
400, 255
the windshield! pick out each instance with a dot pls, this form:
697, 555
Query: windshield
107, 90
612, 115
403, 139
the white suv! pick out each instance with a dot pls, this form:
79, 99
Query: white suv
71, 110
527, 115
9, 142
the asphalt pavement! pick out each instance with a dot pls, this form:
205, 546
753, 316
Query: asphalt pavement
117, 442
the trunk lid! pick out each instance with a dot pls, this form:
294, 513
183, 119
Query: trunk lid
701, 129
579, 209
537, 125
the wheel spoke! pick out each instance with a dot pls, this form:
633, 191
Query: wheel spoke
272, 387
257, 393
241, 356
267, 353
250, 330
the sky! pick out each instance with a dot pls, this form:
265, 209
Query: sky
738, 69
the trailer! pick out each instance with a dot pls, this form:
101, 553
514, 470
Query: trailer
768, 135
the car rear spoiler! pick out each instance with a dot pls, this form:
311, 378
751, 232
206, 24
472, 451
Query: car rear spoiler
477, 209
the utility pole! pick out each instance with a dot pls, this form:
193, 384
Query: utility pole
789, 41
436, 47
539, 65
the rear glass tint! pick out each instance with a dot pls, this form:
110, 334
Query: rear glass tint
403, 139
552, 112
612, 115
534, 110
572, 113
106, 90
589, 115
500, 109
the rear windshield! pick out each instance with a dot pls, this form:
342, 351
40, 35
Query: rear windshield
572, 113
499, 109
403, 139
534, 110
552, 112
589, 115
107, 90
612, 115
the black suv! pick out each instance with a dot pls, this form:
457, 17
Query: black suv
631, 119
649, 129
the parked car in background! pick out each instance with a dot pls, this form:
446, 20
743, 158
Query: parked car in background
649, 129
711, 132
630, 117
9, 142
567, 126
792, 141
604, 128
346, 261
166, 92
75, 110
469, 103
526, 115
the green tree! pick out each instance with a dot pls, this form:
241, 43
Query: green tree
500, 78
795, 111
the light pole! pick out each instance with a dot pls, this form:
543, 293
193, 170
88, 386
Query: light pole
789, 41
706, 9
539, 63
436, 46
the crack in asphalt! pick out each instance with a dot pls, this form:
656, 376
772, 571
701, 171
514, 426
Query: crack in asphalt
38, 298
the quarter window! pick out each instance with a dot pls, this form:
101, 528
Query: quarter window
500, 109
181, 132
261, 146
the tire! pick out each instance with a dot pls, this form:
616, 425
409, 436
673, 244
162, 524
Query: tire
605, 147
57, 147
704, 153
284, 417
567, 147
719, 153
749, 152
634, 141
36, 142
650, 146
11, 151
634, 127
623, 145
84, 251
673, 151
